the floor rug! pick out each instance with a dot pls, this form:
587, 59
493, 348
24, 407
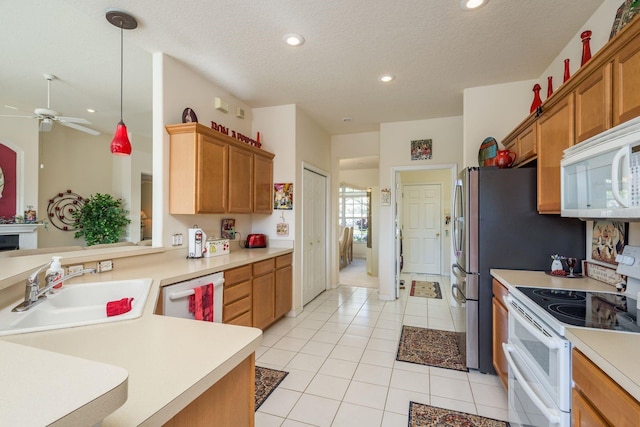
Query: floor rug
421, 415
425, 289
266, 382
433, 347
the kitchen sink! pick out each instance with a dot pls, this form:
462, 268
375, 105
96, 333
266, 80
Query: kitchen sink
77, 305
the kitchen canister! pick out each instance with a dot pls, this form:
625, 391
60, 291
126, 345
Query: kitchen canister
216, 247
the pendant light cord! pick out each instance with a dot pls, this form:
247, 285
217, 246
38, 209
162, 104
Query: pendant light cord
121, 64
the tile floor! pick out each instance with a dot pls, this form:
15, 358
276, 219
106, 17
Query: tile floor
341, 357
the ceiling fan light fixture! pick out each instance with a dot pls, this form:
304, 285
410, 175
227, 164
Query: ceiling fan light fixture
120, 144
472, 4
45, 125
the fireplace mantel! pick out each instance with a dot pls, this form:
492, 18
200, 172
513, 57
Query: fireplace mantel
27, 234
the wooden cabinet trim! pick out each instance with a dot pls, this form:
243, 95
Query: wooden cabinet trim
263, 267
284, 260
237, 275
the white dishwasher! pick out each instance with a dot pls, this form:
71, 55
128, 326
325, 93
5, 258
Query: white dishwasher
175, 298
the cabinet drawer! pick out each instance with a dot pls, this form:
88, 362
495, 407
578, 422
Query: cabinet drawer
499, 290
263, 267
236, 292
283, 260
233, 310
617, 406
240, 274
242, 320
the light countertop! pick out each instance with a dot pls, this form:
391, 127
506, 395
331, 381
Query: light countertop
614, 352
169, 361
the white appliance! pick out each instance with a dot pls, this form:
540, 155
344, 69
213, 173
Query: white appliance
539, 361
175, 298
600, 177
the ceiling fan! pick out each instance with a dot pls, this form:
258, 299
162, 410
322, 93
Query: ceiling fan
47, 116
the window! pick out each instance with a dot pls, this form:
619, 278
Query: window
354, 212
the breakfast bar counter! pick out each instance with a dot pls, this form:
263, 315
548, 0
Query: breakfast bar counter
170, 361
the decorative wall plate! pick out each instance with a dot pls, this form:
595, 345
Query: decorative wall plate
189, 116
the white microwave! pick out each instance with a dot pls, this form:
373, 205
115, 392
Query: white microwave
600, 177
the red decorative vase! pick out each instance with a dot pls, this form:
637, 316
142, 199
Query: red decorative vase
537, 101
586, 49
567, 72
505, 158
549, 86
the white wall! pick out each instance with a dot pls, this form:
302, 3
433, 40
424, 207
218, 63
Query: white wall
395, 143
176, 87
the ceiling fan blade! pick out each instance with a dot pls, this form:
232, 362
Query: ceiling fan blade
80, 128
73, 120
19, 117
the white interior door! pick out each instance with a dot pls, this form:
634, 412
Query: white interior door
314, 235
421, 223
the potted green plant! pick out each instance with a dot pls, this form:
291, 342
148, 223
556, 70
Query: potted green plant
102, 219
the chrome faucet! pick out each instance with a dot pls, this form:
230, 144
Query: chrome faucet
33, 295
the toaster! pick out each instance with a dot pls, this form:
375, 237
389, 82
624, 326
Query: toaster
256, 241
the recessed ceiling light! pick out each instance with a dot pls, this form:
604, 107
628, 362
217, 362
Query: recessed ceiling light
91, 110
386, 78
472, 4
293, 39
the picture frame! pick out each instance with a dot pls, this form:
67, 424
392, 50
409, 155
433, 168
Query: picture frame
228, 228
606, 240
282, 229
283, 196
421, 149
385, 197
624, 15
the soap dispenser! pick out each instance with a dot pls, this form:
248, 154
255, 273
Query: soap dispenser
55, 272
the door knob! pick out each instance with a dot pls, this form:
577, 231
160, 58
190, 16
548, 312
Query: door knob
437, 234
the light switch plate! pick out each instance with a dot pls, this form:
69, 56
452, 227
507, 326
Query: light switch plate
221, 105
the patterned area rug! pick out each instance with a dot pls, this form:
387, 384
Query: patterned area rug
443, 349
266, 381
425, 289
421, 415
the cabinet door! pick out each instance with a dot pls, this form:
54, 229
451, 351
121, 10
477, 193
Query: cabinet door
500, 335
626, 81
263, 301
240, 180
583, 414
555, 134
284, 283
211, 193
593, 104
262, 185
526, 144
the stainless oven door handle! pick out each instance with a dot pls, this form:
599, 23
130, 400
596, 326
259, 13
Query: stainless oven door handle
548, 342
550, 414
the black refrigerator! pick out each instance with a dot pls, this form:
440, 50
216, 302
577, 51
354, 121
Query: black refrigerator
496, 225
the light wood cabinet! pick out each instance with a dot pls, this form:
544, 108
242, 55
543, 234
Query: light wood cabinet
593, 104
263, 293
237, 296
240, 180
555, 134
626, 76
210, 172
500, 332
283, 285
597, 400
523, 143
229, 402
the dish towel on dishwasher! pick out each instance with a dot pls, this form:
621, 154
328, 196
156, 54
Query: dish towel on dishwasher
201, 303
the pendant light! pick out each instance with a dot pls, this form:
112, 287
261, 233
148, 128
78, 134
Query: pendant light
120, 144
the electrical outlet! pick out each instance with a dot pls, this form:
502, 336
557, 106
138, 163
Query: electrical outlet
74, 268
176, 240
106, 265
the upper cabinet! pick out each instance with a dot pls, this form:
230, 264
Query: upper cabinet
601, 94
213, 173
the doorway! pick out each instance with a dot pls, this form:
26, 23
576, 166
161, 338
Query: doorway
314, 234
421, 228
146, 207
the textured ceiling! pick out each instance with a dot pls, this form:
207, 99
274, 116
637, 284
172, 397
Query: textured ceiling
433, 48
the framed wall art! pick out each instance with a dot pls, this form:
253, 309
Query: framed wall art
283, 196
421, 149
608, 239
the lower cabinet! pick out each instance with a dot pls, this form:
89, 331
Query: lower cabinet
500, 332
597, 400
258, 294
229, 402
